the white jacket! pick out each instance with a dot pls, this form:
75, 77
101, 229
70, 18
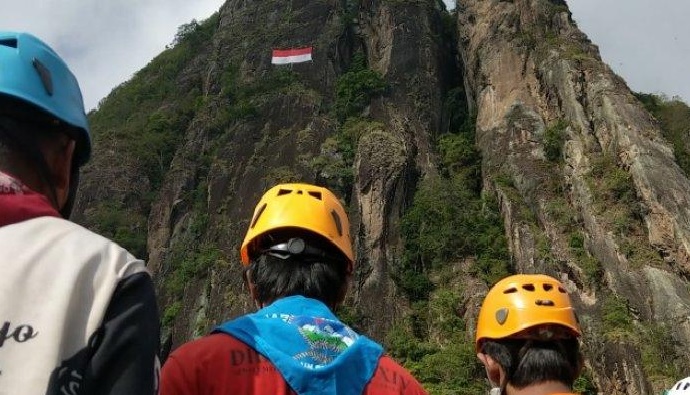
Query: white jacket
77, 313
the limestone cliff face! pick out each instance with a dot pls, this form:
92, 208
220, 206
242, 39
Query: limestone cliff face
398, 38
588, 190
530, 71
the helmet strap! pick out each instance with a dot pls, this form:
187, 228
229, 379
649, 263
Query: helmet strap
296, 247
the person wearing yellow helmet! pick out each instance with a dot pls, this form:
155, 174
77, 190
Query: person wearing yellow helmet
298, 261
78, 312
527, 337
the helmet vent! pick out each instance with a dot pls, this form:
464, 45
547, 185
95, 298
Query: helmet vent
544, 302
9, 42
528, 287
338, 224
258, 214
44, 73
511, 290
547, 287
315, 194
282, 192
561, 290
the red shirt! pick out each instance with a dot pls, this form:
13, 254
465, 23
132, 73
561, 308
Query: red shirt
219, 364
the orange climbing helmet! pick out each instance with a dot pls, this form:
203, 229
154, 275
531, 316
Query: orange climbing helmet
522, 302
302, 206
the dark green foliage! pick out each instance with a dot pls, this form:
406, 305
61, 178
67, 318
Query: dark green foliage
446, 366
614, 186
616, 319
618, 184
194, 33
144, 120
405, 347
171, 312
242, 98
190, 265
416, 285
455, 110
129, 231
674, 117
460, 156
554, 137
332, 169
453, 369
591, 267
449, 219
155, 146
351, 315
354, 91
446, 222
584, 385
349, 12
615, 196
659, 355
334, 165
282, 174
356, 88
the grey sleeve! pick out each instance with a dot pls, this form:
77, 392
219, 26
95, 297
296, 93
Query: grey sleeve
122, 356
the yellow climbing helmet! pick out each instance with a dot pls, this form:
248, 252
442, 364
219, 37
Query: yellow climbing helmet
524, 301
303, 206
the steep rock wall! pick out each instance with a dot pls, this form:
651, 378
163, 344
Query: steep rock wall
532, 74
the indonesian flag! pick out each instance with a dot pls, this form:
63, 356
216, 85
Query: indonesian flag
295, 55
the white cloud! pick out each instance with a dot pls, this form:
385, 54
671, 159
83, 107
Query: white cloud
647, 42
104, 41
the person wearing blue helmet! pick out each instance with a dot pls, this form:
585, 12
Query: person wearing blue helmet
78, 313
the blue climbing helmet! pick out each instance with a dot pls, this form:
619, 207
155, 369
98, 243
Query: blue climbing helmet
33, 77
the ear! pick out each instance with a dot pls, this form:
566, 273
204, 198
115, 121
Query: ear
493, 369
59, 160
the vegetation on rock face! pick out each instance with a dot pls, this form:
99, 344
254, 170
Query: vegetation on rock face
554, 139
356, 88
144, 120
615, 199
354, 91
450, 232
449, 221
674, 118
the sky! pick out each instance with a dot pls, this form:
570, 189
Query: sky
105, 42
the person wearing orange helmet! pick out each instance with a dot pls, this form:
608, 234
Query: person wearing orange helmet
528, 337
298, 261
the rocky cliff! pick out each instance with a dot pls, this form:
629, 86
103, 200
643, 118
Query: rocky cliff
466, 146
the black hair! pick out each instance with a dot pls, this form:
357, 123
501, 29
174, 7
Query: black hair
322, 278
529, 362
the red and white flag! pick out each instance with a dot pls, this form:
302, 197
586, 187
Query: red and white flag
295, 55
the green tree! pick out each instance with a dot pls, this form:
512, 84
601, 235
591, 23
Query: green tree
355, 89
